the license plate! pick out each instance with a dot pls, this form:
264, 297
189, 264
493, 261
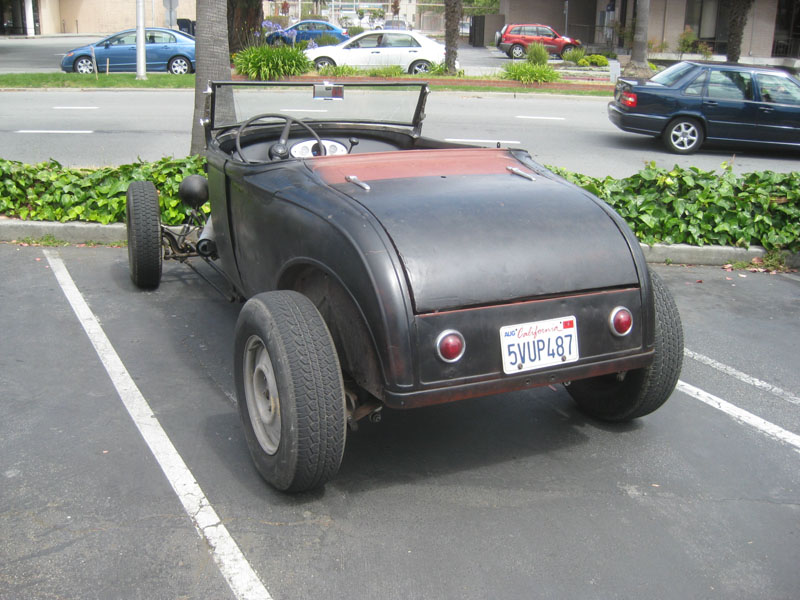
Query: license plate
539, 344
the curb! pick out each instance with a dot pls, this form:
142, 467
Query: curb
12, 230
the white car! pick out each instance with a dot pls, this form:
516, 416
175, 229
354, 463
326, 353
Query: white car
413, 51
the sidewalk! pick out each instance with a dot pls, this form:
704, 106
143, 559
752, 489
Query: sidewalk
12, 230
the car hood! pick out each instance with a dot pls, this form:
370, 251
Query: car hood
472, 232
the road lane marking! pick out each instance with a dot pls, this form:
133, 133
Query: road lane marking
75, 108
743, 377
470, 141
54, 131
542, 118
304, 110
741, 415
242, 579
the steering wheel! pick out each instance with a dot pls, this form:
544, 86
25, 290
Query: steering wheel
280, 149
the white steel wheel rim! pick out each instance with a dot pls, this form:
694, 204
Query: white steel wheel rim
179, 67
261, 395
517, 52
684, 135
85, 66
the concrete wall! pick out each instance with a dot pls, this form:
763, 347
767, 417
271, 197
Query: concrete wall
103, 16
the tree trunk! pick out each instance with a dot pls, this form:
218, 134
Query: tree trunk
213, 61
452, 16
244, 17
638, 67
738, 11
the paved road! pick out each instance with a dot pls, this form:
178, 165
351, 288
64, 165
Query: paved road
513, 496
40, 54
94, 128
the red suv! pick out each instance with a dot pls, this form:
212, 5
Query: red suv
515, 39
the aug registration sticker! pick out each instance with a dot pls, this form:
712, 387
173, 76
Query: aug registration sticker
539, 344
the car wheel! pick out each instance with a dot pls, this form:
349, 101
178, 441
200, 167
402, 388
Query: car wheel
323, 62
143, 218
419, 66
566, 49
179, 66
289, 390
83, 65
684, 135
639, 392
517, 51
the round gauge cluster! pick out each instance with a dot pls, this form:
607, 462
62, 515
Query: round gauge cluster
310, 148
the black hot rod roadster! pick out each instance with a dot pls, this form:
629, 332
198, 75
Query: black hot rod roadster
383, 268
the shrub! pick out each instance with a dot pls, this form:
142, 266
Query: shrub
686, 42
389, 71
440, 70
355, 30
584, 62
326, 39
527, 73
598, 60
339, 71
538, 54
267, 63
574, 54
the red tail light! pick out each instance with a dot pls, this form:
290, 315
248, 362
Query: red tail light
450, 346
628, 99
620, 321
344, 32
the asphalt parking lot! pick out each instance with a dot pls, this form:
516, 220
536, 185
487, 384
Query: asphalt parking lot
513, 496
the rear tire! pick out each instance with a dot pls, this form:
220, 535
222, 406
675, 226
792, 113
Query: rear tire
644, 390
517, 51
684, 135
143, 218
179, 65
289, 390
323, 62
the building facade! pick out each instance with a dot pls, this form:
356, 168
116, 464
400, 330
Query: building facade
772, 33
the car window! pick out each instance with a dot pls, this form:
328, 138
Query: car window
399, 40
160, 37
368, 41
730, 85
779, 90
671, 75
305, 27
515, 30
325, 27
695, 88
545, 32
123, 39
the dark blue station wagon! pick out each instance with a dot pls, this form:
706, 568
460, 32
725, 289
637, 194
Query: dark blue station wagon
692, 102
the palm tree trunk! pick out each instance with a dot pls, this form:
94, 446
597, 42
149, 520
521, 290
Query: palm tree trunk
738, 10
638, 67
453, 10
213, 60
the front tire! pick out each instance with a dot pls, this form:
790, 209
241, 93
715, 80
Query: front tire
179, 66
289, 390
143, 223
83, 65
684, 135
419, 66
642, 391
566, 49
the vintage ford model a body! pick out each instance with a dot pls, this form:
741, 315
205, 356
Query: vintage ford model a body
386, 268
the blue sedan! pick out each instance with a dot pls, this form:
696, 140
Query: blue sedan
166, 50
693, 102
305, 31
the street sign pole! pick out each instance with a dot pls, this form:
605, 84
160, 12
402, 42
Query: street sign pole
141, 54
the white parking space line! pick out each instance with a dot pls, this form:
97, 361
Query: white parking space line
471, 141
743, 377
54, 131
542, 118
242, 579
741, 415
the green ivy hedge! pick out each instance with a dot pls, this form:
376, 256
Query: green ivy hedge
50, 192
669, 206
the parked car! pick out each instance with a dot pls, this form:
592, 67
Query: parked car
397, 24
415, 52
690, 103
515, 39
166, 50
307, 30
382, 269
